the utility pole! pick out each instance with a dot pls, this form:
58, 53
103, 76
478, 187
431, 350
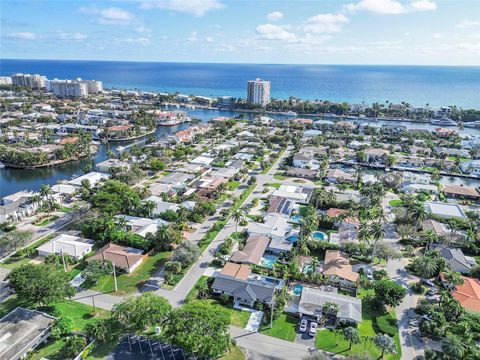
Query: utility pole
115, 277
63, 260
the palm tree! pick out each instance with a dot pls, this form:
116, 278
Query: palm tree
452, 278
453, 347
352, 335
45, 192
149, 206
376, 231
237, 216
426, 267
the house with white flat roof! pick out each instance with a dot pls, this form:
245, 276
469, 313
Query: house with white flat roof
141, 226
291, 192
73, 246
445, 210
93, 177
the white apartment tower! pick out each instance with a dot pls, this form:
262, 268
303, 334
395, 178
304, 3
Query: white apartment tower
32, 81
258, 92
69, 88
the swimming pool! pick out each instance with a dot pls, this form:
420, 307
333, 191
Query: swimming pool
292, 238
296, 218
319, 236
297, 289
268, 261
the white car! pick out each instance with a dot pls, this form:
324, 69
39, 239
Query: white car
303, 325
313, 329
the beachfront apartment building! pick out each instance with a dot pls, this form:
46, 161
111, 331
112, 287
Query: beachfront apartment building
258, 92
28, 80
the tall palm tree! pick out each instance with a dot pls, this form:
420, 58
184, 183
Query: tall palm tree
46, 192
426, 267
149, 206
453, 347
237, 216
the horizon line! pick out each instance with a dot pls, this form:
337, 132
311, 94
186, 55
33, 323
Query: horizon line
240, 63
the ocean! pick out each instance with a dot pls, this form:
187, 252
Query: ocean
417, 85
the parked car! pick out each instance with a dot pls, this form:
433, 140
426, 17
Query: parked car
303, 325
432, 291
313, 329
427, 282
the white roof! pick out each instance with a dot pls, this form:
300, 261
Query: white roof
142, 226
162, 206
445, 210
274, 225
202, 160
94, 177
312, 300
290, 192
64, 189
70, 245
420, 187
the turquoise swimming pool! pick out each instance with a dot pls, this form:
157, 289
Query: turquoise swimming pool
268, 261
293, 238
319, 236
297, 289
296, 218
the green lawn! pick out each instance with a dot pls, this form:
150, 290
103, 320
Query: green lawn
193, 293
282, 328
371, 325
101, 350
46, 221
65, 209
280, 176
238, 318
50, 350
80, 314
274, 185
235, 354
128, 283
232, 185
396, 202
19, 259
280, 153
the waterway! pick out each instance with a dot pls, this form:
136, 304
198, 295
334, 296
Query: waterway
13, 180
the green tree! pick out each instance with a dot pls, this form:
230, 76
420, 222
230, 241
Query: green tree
74, 345
389, 292
200, 329
453, 347
103, 330
351, 335
41, 284
61, 327
385, 343
138, 313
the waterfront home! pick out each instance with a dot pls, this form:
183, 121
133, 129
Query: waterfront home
337, 176
338, 269
393, 128
17, 206
112, 164
73, 246
68, 129
409, 162
236, 281
455, 258
417, 188
445, 210
65, 190
22, 330
92, 177
309, 174
460, 191
376, 155
312, 303
138, 225
368, 179
413, 178
302, 121
125, 258
305, 160
252, 251
445, 133
344, 126
468, 294
443, 151
471, 167
307, 134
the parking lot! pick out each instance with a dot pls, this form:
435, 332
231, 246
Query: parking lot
143, 348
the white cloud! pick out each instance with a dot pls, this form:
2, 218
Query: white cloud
193, 37
23, 35
275, 16
144, 41
437, 35
209, 39
195, 7
391, 7
465, 24
75, 36
110, 15
142, 29
275, 32
325, 23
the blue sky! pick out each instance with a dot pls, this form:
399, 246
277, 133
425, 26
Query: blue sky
443, 32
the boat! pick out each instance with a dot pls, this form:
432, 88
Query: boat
121, 148
289, 113
444, 122
2, 165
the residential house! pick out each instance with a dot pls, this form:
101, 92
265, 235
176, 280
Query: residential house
337, 176
455, 258
109, 164
312, 302
235, 281
302, 173
376, 155
125, 258
471, 167
445, 210
280, 205
294, 193
438, 228
338, 269
140, 226
22, 330
460, 191
305, 160
468, 294
93, 179
253, 250
275, 226
65, 244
